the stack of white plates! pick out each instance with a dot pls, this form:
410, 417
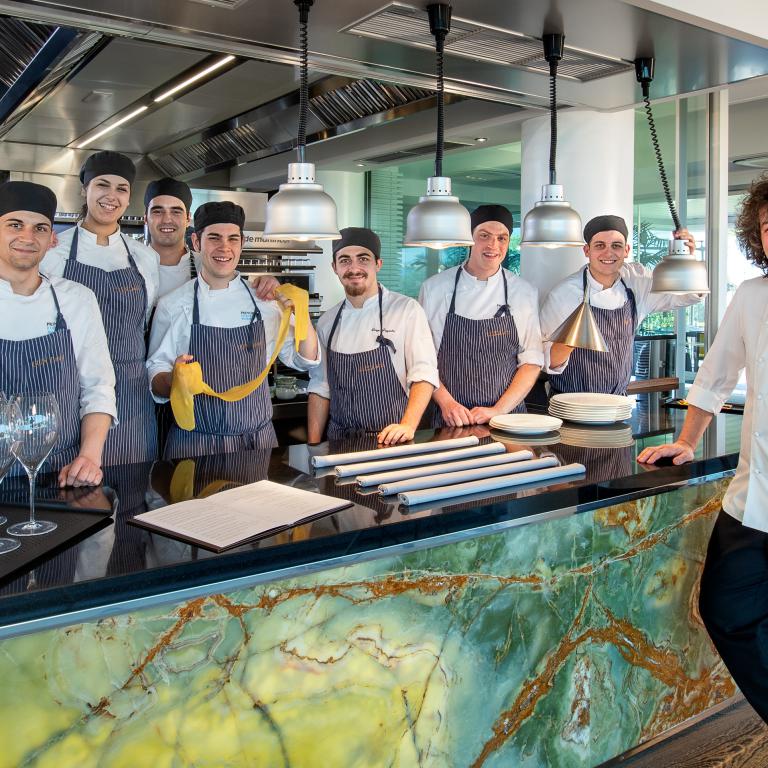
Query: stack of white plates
524, 441
525, 423
613, 436
590, 407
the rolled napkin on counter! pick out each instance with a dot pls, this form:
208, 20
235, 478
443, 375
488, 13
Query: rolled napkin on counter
454, 478
345, 470
429, 495
334, 459
395, 476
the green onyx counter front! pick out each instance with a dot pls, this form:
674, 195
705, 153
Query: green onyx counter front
550, 637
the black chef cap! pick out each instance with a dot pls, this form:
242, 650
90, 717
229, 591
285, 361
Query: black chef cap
218, 212
26, 196
492, 213
362, 236
107, 164
605, 224
171, 187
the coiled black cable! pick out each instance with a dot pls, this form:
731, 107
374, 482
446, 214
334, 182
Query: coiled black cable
552, 121
439, 48
304, 85
659, 161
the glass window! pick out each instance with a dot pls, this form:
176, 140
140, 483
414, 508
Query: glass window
478, 176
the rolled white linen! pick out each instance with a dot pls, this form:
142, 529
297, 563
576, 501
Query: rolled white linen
335, 459
454, 478
396, 475
429, 495
346, 470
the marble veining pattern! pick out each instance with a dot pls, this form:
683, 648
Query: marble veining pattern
560, 643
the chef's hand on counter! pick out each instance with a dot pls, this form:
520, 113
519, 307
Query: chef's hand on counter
680, 452
684, 234
483, 415
264, 285
396, 433
81, 472
456, 415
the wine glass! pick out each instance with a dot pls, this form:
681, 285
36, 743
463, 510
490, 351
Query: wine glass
36, 435
8, 415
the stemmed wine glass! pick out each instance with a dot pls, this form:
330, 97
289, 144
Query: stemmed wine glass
36, 435
8, 417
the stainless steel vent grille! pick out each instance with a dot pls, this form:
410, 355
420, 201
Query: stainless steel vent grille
19, 43
336, 104
405, 24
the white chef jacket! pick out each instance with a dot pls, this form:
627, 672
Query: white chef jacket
480, 300
228, 307
405, 324
107, 257
742, 342
569, 293
27, 317
172, 276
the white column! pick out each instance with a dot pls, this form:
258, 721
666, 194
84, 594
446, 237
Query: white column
348, 192
595, 164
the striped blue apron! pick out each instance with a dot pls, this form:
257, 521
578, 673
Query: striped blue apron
46, 364
227, 356
604, 372
122, 297
477, 359
366, 394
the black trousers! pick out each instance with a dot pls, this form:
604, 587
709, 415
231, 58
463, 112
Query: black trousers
734, 605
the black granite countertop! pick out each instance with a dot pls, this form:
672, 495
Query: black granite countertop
114, 564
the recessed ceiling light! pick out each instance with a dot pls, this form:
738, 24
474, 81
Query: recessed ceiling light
112, 127
481, 139
190, 80
360, 165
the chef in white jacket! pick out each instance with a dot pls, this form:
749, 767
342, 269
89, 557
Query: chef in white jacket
123, 274
51, 336
733, 599
167, 204
218, 320
379, 364
620, 297
485, 325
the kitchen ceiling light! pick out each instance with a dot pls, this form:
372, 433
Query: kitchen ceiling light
191, 80
552, 222
439, 220
679, 271
105, 131
301, 210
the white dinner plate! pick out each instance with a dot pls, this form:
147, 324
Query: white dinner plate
575, 415
525, 423
591, 400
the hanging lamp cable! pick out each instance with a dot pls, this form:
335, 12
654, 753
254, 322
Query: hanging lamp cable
301, 143
644, 72
439, 26
553, 53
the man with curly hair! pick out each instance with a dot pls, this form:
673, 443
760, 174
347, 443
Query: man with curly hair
734, 585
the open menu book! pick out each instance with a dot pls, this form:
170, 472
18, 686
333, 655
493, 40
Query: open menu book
239, 515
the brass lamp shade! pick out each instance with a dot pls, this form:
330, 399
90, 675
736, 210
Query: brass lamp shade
580, 330
680, 272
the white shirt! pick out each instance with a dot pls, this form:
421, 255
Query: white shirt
228, 307
27, 317
173, 276
107, 257
569, 293
480, 300
405, 324
742, 342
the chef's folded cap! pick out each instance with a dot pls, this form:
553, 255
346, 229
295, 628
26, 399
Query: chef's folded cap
107, 163
170, 187
361, 236
491, 213
26, 196
218, 212
604, 224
